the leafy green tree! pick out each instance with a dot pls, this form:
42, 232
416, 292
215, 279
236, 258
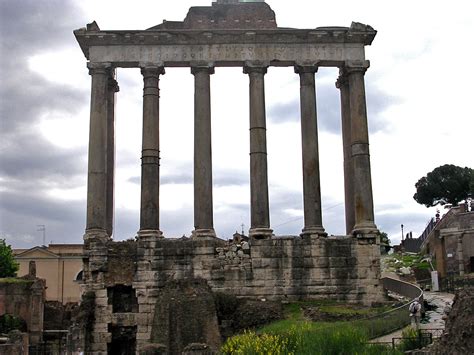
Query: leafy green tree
384, 243
8, 265
445, 184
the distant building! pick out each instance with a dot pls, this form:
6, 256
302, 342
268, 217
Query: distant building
450, 242
239, 237
411, 244
59, 264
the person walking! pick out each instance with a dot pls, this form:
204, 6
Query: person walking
415, 313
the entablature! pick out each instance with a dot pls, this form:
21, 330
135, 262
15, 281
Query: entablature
329, 46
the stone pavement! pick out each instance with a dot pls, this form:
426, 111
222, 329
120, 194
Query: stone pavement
433, 319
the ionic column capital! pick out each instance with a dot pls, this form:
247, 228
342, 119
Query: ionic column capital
202, 68
152, 71
258, 67
99, 68
304, 68
113, 85
342, 79
356, 66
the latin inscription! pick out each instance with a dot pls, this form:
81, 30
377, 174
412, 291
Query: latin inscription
175, 55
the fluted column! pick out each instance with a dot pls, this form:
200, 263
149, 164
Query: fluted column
259, 205
113, 88
96, 219
343, 85
363, 199
150, 180
203, 209
313, 224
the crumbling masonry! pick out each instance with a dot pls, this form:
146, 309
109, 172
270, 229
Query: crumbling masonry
311, 265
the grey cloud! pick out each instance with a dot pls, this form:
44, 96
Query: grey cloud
177, 223
127, 223
24, 104
230, 178
221, 178
328, 107
29, 164
29, 25
135, 180
21, 213
34, 158
283, 112
179, 178
390, 221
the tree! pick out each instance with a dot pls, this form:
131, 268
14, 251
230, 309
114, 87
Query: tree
384, 243
445, 184
8, 265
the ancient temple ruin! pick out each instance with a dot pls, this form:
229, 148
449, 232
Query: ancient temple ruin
310, 265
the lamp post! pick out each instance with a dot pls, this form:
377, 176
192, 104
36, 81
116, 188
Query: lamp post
401, 243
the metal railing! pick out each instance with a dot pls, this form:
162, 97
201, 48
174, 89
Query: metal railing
394, 319
429, 227
451, 283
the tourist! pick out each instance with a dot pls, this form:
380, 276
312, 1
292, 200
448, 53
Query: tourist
415, 313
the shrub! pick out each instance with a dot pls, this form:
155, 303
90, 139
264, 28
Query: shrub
9, 323
305, 339
8, 265
249, 343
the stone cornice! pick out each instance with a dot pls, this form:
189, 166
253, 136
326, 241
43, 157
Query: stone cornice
357, 34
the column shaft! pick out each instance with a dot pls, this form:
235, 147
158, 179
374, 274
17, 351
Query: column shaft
150, 180
309, 138
343, 85
259, 202
363, 199
96, 220
203, 208
112, 89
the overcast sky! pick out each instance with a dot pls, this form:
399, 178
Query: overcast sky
419, 98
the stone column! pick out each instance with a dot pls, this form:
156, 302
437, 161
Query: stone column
150, 181
112, 89
203, 209
342, 84
96, 220
363, 200
313, 224
259, 205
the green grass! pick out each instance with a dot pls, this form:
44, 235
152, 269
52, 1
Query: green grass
373, 327
305, 338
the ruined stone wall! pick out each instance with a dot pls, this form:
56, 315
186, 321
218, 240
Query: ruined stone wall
286, 268
24, 299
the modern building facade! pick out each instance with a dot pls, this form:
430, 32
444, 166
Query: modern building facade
59, 264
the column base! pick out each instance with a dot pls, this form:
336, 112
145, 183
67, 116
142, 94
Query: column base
365, 230
203, 233
96, 234
314, 232
149, 234
260, 233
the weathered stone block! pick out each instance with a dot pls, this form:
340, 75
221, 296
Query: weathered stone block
101, 337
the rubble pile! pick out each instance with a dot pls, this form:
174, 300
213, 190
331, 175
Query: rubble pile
235, 253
